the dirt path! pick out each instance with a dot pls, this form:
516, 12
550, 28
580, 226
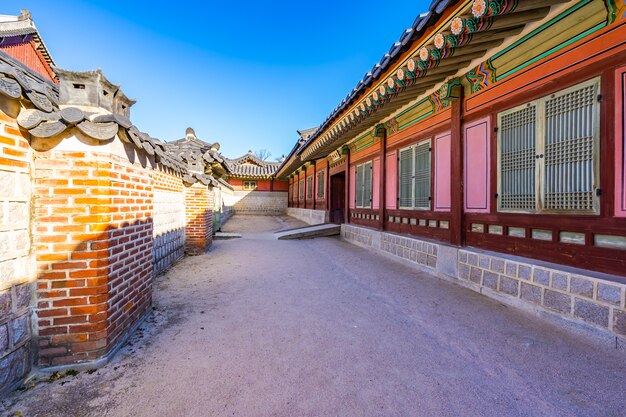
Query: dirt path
259, 327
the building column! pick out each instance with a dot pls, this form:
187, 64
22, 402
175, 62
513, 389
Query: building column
381, 133
314, 193
346, 219
327, 187
456, 171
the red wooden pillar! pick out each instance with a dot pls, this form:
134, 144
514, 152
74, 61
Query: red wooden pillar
381, 133
313, 193
327, 187
346, 218
456, 172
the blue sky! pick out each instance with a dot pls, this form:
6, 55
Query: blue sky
246, 74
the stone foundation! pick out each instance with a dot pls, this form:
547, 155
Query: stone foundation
598, 300
308, 216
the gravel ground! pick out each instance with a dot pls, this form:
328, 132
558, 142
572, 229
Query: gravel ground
259, 327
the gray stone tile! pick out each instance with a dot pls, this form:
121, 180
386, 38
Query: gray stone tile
524, 272
21, 329
476, 275
609, 293
511, 269
619, 322
591, 312
557, 301
497, 265
559, 281
541, 276
581, 286
509, 286
531, 293
490, 280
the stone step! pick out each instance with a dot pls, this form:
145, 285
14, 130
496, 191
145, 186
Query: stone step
310, 232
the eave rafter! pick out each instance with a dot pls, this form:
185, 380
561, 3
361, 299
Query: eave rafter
478, 28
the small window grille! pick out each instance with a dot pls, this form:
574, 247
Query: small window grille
301, 189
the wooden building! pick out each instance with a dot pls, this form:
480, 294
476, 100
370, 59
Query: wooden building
488, 145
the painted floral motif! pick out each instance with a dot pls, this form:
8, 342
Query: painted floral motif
400, 74
479, 8
411, 65
362, 107
424, 54
368, 102
375, 96
440, 41
382, 90
457, 26
391, 83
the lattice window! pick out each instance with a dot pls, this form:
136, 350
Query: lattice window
548, 153
415, 176
517, 159
422, 176
364, 185
406, 178
249, 185
301, 189
320, 184
309, 187
569, 150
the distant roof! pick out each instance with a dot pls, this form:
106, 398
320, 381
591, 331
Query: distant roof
12, 26
195, 152
250, 166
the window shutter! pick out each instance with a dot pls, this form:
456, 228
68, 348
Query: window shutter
518, 135
406, 178
570, 140
367, 185
309, 187
359, 186
320, 184
620, 142
422, 175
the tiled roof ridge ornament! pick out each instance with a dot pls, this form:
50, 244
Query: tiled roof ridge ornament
25, 15
190, 134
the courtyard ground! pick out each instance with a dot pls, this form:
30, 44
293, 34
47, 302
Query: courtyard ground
259, 327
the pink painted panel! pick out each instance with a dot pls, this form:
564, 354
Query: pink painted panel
442, 172
391, 176
477, 173
376, 184
620, 143
352, 194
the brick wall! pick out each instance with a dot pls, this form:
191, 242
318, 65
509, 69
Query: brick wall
93, 244
16, 272
199, 219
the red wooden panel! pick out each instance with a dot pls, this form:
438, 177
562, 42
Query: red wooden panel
620, 143
391, 178
352, 187
477, 173
376, 184
443, 144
